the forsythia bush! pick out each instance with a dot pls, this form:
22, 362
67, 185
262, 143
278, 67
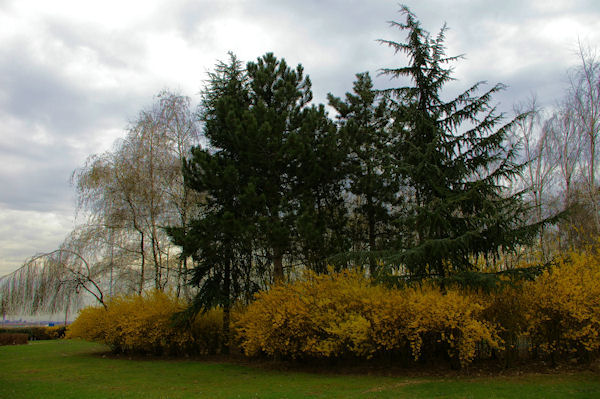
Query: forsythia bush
563, 306
321, 316
206, 332
142, 324
343, 314
454, 320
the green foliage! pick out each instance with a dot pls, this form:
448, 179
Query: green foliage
364, 120
456, 160
221, 238
271, 179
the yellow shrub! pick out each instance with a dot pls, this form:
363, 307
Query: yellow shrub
90, 325
321, 316
454, 320
134, 324
342, 313
206, 331
563, 306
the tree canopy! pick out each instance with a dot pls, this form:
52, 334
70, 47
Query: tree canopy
455, 158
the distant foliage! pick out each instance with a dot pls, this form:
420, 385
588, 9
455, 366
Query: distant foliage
343, 314
13, 339
38, 333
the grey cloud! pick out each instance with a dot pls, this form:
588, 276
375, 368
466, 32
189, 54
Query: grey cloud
44, 94
334, 40
120, 50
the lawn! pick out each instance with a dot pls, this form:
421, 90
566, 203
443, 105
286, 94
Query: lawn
76, 369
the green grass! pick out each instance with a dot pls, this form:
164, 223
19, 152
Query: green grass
75, 369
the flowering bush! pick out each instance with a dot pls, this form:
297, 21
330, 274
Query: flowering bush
563, 306
453, 319
321, 316
343, 314
142, 323
206, 332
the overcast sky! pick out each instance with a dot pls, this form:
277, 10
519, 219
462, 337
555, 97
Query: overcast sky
74, 73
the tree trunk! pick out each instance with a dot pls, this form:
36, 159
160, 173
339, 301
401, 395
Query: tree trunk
141, 289
277, 266
371, 216
226, 307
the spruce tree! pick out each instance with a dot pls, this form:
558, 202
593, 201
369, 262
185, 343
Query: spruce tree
457, 161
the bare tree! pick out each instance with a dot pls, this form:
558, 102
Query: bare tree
537, 176
566, 146
174, 113
138, 187
61, 280
584, 103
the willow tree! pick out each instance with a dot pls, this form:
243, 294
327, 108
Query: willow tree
456, 159
137, 188
79, 271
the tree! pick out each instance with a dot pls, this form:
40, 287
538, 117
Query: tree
537, 175
456, 161
221, 236
364, 124
173, 113
319, 167
278, 109
138, 187
584, 103
63, 279
272, 180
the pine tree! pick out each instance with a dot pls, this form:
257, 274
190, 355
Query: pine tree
220, 239
364, 120
269, 176
278, 96
320, 155
455, 157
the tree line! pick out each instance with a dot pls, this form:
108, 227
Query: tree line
258, 183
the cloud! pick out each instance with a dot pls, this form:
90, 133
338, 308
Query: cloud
26, 233
73, 74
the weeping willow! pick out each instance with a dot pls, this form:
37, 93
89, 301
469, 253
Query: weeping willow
43, 285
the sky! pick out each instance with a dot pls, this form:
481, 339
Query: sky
74, 74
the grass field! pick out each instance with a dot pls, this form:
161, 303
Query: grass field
75, 369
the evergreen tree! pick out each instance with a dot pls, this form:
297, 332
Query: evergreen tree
291, 153
320, 168
221, 238
364, 121
269, 178
278, 96
455, 157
